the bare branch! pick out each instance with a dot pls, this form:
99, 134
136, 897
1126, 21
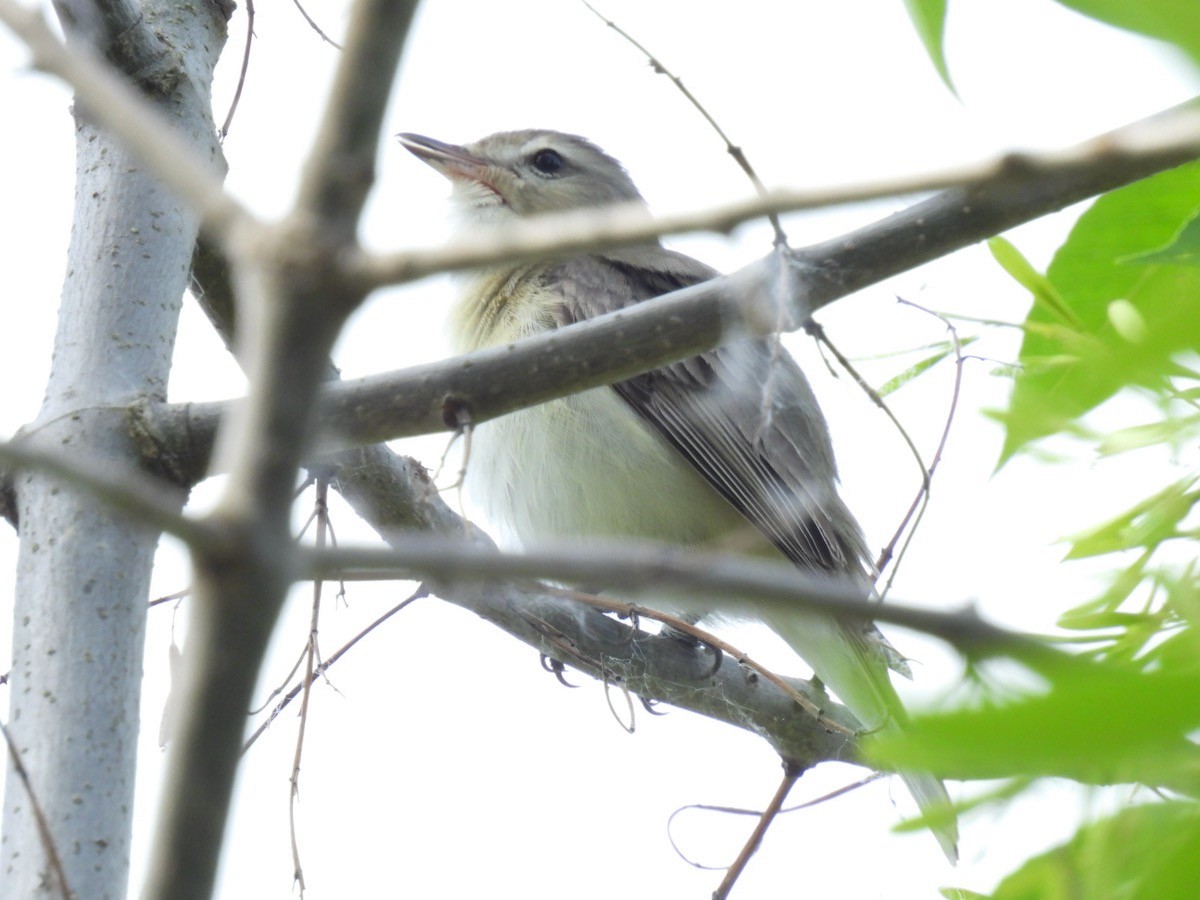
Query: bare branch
119, 307
739, 811
111, 100
790, 775
130, 491
341, 167
743, 584
991, 196
661, 668
395, 495
311, 664
291, 303
607, 349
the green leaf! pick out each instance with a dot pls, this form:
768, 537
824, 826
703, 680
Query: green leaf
929, 18
1180, 647
1124, 583
945, 349
1147, 524
1152, 434
1174, 21
1015, 264
1098, 723
1184, 249
1104, 317
1146, 851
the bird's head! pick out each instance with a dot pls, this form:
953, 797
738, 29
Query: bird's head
525, 173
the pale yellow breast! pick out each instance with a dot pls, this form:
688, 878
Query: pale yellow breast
583, 466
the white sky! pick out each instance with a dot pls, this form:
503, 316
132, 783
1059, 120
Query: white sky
446, 763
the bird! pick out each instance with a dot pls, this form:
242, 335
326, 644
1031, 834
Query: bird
690, 453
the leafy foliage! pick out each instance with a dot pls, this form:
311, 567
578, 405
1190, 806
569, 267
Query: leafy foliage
1117, 313
1145, 851
1094, 722
1109, 312
1114, 322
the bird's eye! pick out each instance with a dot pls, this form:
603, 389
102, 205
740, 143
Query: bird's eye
548, 162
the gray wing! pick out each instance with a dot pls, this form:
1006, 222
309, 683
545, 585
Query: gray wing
742, 415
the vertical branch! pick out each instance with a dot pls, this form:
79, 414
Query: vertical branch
292, 300
341, 168
83, 570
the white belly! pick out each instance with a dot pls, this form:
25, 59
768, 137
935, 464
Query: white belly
587, 466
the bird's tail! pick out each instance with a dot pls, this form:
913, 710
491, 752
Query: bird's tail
855, 668
934, 801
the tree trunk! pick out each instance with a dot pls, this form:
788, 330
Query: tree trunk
83, 570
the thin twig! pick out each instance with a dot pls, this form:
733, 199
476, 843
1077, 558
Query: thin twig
167, 598
791, 772
460, 477
321, 512
732, 149
237, 94
309, 480
39, 817
818, 332
921, 501
739, 811
339, 169
315, 27
979, 320
283, 682
291, 695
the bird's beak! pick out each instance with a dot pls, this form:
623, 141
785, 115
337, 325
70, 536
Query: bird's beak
452, 160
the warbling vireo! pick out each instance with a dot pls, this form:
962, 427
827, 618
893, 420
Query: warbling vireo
685, 453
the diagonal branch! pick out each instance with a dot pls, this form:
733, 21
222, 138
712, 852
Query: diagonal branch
396, 496
110, 99
291, 305
341, 167
992, 196
607, 349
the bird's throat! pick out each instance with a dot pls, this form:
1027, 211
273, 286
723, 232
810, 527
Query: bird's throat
499, 306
